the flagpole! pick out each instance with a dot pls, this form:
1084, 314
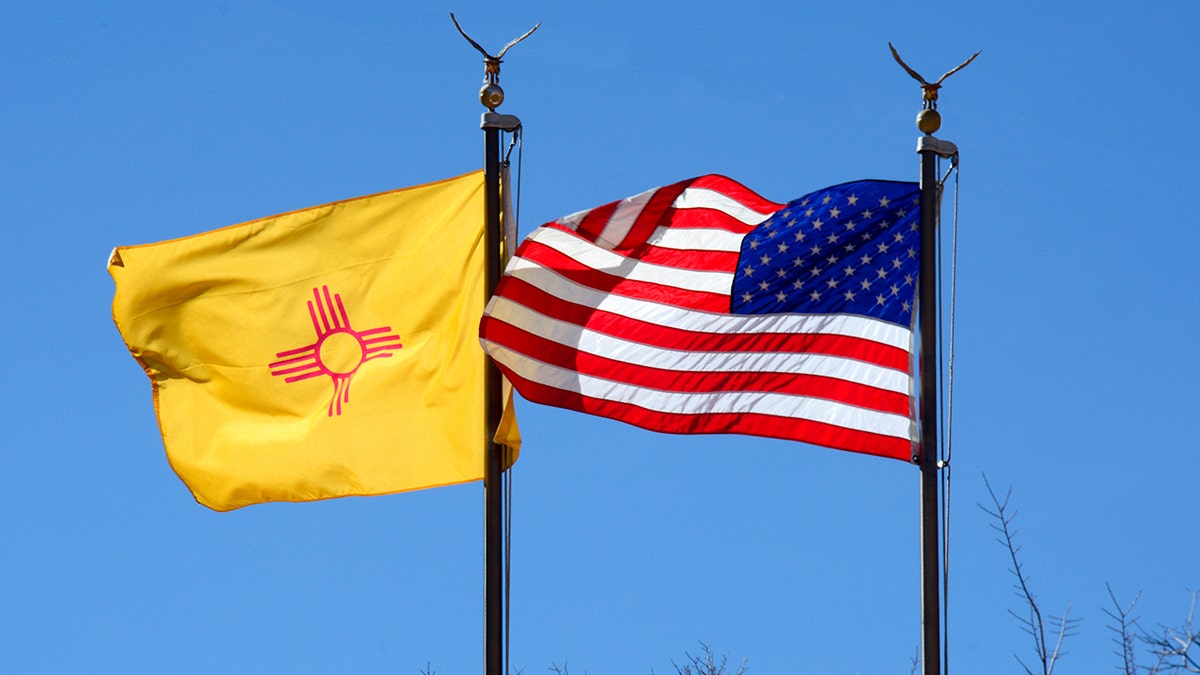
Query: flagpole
930, 569
493, 123
930, 149
493, 499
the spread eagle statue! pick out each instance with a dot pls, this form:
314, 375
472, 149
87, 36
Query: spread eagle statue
930, 90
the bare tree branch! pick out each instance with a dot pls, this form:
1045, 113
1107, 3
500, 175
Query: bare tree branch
1178, 649
1125, 630
705, 664
1034, 624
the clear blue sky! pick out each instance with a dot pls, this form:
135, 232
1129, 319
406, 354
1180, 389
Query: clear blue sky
131, 122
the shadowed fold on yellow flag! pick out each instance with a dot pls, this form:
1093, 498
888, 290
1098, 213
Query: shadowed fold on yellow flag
321, 353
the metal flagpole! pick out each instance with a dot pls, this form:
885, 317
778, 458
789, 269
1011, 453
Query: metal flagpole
930, 149
930, 572
493, 123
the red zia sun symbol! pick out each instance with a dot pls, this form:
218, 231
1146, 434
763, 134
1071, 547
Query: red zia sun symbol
339, 350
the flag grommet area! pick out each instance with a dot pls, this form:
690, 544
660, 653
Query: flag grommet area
325, 352
702, 307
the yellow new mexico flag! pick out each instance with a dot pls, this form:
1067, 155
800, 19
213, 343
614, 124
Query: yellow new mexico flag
326, 352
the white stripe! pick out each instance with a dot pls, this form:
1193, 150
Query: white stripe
695, 320
697, 239
572, 221
688, 403
644, 355
603, 260
623, 218
705, 198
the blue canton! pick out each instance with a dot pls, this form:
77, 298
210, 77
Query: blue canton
851, 248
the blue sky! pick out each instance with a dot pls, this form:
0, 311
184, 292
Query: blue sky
131, 122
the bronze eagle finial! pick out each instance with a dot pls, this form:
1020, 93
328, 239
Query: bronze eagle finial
930, 91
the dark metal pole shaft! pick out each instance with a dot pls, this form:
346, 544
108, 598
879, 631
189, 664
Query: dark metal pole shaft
493, 503
928, 373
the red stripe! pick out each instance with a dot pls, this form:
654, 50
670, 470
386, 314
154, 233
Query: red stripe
668, 337
737, 191
702, 218
704, 261
602, 281
651, 216
805, 431
697, 217
814, 386
593, 223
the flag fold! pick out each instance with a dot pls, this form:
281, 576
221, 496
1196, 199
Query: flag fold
702, 307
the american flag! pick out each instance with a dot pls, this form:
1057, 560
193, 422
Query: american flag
701, 307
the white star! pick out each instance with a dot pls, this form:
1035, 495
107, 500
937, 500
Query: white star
764, 285
849, 296
799, 235
781, 296
852, 199
898, 237
883, 201
866, 285
817, 224
896, 264
808, 213
900, 213
815, 296
895, 289
753, 243
783, 248
766, 259
832, 283
867, 214
832, 260
816, 250
907, 307
883, 247
815, 271
866, 258
826, 199
908, 280
781, 273
912, 252
746, 297
748, 270
881, 273
833, 238
797, 284
796, 262
835, 212
850, 225
850, 270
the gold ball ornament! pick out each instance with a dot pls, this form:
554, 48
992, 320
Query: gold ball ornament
929, 121
491, 96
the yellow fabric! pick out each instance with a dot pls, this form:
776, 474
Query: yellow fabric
371, 307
